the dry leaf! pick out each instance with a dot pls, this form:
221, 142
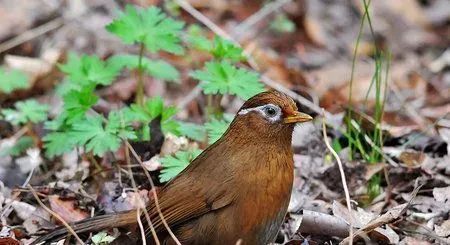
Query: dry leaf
66, 209
443, 230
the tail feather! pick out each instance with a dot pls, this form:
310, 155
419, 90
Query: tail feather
91, 224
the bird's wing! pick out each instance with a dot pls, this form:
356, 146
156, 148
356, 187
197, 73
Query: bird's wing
177, 208
201, 188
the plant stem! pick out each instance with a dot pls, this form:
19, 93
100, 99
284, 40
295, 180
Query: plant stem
213, 106
352, 75
140, 85
209, 106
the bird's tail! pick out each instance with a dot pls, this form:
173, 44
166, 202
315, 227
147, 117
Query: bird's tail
91, 224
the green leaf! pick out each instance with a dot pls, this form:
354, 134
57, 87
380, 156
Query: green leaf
58, 143
153, 108
155, 68
119, 124
100, 138
88, 132
336, 145
225, 49
216, 128
148, 26
225, 78
173, 165
196, 38
58, 123
192, 131
282, 24
76, 103
26, 111
91, 133
89, 70
102, 238
66, 86
12, 80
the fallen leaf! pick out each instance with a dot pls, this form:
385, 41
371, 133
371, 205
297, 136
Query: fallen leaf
66, 209
443, 230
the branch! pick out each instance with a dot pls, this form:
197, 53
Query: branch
68, 227
344, 182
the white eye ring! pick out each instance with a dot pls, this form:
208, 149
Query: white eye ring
269, 111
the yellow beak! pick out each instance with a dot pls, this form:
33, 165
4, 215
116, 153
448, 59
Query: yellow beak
298, 117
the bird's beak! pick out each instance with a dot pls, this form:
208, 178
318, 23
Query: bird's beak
297, 117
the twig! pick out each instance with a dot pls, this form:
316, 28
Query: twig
141, 227
163, 220
147, 217
31, 34
68, 227
257, 17
191, 96
27, 180
344, 182
42, 29
317, 109
388, 217
199, 16
428, 232
370, 142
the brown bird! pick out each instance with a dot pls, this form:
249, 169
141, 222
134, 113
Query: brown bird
238, 189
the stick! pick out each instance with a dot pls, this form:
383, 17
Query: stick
68, 227
147, 217
257, 17
191, 96
31, 34
344, 182
161, 215
141, 227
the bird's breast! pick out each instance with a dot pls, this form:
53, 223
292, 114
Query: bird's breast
264, 199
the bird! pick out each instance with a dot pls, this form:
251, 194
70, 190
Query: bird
236, 191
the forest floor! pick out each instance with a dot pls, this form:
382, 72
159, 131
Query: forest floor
387, 109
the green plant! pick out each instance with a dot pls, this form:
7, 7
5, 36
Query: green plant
369, 144
102, 238
150, 28
216, 127
221, 76
151, 109
12, 80
26, 111
225, 78
175, 164
80, 126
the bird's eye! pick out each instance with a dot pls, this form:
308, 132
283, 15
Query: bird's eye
270, 111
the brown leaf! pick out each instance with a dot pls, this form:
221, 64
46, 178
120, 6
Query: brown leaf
66, 209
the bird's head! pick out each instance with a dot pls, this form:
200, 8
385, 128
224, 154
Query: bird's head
270, 114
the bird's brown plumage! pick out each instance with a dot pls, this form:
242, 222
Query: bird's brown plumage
237, 189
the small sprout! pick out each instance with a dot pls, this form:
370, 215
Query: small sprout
102, 238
